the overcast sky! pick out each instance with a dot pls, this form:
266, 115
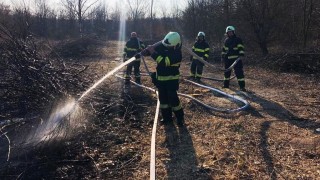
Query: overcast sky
160, 6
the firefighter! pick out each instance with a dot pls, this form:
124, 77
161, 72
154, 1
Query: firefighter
167, 54
133, 46
232, 50
201, 48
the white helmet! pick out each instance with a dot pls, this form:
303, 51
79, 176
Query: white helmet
230, 28
201, 34
171, 39
134, 34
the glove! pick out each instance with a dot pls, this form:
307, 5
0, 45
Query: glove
150, 49
137, 56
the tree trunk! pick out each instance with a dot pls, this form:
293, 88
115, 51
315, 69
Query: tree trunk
264, 48
80, 17
307, 14
226, 11
151, 21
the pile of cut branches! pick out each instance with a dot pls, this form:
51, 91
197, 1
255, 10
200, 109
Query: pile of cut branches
28, 81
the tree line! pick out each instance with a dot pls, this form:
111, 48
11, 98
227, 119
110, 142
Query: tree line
265, 25
268, 24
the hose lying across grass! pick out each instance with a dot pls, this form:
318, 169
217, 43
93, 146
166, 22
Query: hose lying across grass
153, 137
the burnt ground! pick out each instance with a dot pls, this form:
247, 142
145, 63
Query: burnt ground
109, 138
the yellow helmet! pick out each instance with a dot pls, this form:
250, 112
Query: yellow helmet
172, 39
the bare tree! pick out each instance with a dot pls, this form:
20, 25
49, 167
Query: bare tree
22, 20
100, 17
137, 10
151, 20
190, 18
205, 15
261, 15
42, 12
4, 14
308, 11
226, 9
115, 14
79, 8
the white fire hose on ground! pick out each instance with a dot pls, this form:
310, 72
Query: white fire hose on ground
153, 136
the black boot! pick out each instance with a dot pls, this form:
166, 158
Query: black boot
180, 117
191, 78
226, 84
127, 79
242, 85
166, 116
198, 80
138, 80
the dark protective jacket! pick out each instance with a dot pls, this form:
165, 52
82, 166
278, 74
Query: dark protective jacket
201, 48
233, 48
133, 46
168, 64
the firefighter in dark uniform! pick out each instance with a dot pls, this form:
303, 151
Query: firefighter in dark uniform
133, 46
232, 50
201, 48
167, 54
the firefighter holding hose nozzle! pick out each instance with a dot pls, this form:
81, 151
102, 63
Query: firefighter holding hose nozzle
167, 54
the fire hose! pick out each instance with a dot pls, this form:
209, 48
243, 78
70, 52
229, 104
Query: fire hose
210, 65
153, 136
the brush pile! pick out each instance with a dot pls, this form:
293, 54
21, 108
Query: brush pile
28, 80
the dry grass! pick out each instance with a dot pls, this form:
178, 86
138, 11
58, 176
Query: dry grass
274, 139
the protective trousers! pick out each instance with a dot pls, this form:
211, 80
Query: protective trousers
196, 69
169, 101
136, 66
238, 70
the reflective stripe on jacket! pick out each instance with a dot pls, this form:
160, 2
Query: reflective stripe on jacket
133, 46
201, 48
168, 63
233, 48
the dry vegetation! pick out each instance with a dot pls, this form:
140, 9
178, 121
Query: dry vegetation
274, 139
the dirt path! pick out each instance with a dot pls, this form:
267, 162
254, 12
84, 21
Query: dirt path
274, 139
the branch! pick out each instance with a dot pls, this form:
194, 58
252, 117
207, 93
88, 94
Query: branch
9, 142
85, 10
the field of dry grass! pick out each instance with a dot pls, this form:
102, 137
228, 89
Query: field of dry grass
275, 138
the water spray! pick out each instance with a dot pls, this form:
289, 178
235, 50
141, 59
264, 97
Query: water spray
73, 107
106, 76
100, 81
51, 128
